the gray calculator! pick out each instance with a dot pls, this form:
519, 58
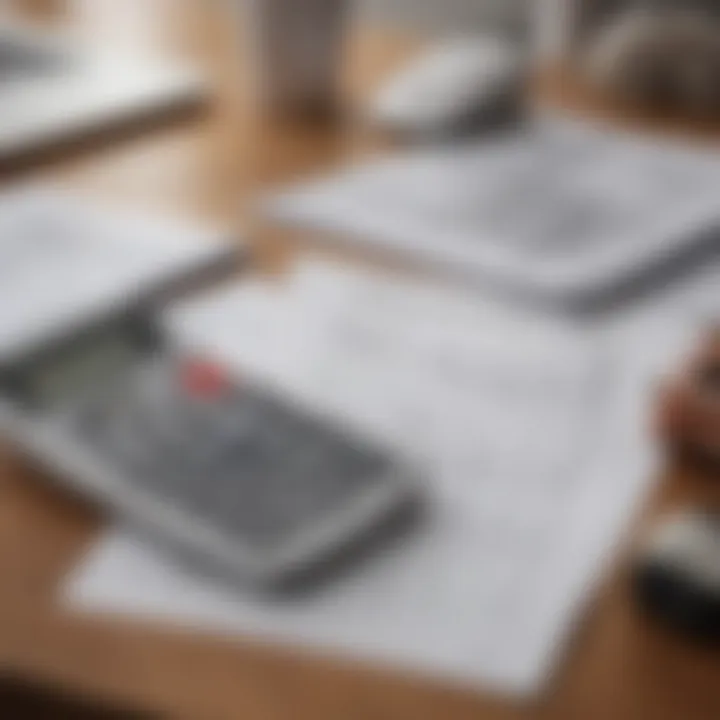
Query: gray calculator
213, 463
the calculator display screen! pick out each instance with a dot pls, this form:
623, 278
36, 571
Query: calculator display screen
91, 363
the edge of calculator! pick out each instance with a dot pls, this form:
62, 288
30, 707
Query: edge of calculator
73, 468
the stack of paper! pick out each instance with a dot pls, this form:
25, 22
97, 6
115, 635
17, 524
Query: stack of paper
532, 433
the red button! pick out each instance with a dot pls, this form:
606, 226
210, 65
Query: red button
205, 379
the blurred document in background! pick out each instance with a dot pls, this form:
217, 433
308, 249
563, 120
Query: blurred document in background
562, 212
55, 88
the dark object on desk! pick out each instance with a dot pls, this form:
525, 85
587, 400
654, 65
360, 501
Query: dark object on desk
297, 52
663, 57
23, 700
677, 577
689, 413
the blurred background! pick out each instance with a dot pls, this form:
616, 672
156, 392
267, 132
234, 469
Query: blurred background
199, 110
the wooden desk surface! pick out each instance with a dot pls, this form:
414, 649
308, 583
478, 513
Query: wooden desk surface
618, 667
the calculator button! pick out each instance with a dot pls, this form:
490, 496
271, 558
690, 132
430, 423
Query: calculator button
204, 379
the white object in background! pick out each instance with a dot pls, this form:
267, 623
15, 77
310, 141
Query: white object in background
537, 463
55, 90
453, 87
563, 212
66, 262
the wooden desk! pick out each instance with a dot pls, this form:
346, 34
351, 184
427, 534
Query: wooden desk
618, 667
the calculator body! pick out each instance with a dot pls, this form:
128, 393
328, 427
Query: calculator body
213, 464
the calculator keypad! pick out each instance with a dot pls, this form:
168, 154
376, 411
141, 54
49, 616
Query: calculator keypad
227, 453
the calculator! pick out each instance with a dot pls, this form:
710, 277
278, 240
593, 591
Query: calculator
218, 465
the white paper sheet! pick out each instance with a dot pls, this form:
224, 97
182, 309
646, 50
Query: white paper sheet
65, 261
560, 211
534, 435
